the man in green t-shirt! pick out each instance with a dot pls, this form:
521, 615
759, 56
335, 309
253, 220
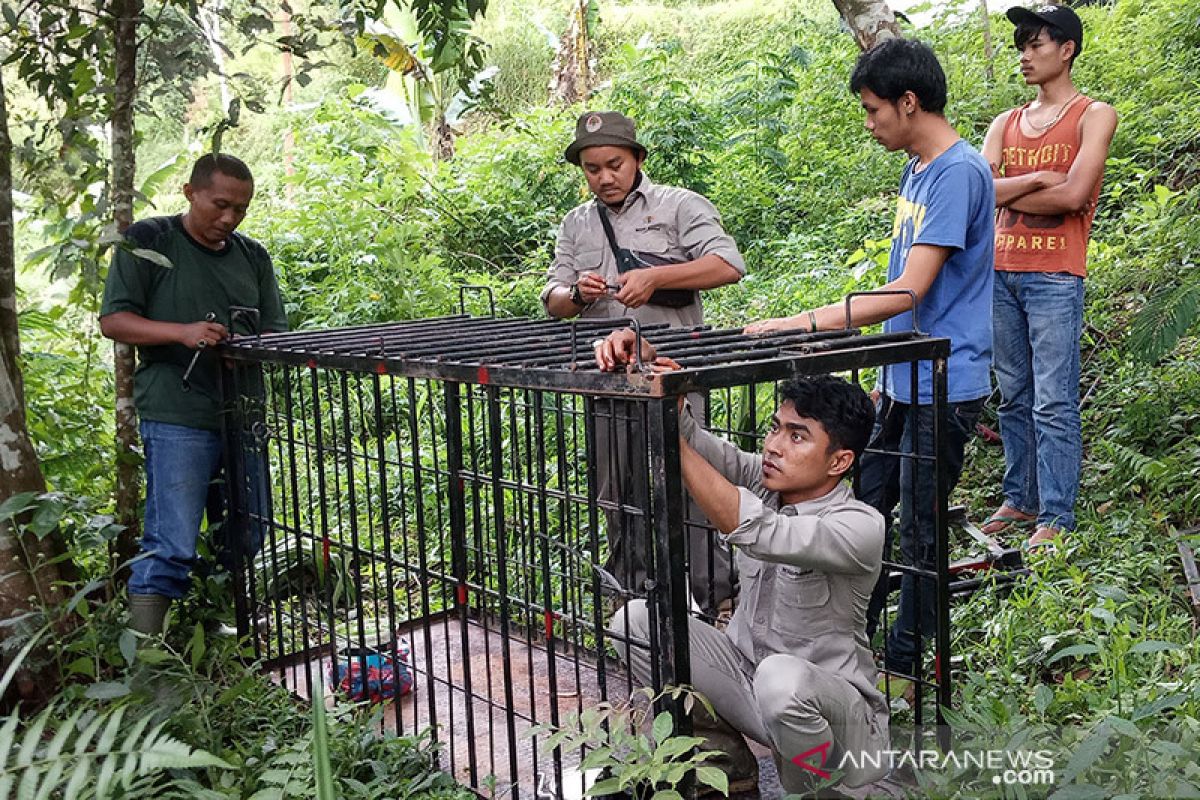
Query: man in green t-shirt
174, 315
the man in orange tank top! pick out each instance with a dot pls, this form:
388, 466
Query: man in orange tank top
1047, 159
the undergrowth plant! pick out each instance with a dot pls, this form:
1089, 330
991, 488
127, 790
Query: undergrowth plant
642, 764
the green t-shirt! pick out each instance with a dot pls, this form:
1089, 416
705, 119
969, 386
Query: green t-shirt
199, 281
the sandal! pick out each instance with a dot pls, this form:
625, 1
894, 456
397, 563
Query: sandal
1045, 537
1006, 519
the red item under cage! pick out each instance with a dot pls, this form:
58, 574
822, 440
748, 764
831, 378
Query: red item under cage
372, 674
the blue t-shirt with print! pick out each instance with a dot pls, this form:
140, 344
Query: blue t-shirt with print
949, 203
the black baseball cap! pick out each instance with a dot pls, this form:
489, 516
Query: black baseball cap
1061, 17
598, 128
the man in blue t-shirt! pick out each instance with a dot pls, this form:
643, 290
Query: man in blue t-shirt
942, 249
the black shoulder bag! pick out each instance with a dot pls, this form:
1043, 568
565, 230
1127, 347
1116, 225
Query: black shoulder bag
632, 259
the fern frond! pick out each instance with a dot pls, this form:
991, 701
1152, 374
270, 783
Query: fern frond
1167, 317
32, 738
7, 736
109, 751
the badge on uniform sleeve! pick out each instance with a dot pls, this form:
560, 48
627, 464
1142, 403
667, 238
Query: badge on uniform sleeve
593, 123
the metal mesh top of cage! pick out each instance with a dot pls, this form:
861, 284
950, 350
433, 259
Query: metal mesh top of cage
556, 355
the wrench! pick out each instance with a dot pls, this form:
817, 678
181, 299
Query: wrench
187, 384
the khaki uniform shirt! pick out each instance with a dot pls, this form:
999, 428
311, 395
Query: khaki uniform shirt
667, 221
806, 570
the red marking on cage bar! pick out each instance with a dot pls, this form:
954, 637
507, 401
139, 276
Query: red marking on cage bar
550, 618
312, 363
695, 334
462, 594
483, 377
325, 550
381, 368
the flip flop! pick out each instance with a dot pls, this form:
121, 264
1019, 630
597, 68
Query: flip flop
1004, 522
1047, 545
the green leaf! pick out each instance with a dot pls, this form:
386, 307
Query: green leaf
196, 646
153, 256
714, 778
1165, 319
84, 665
676, 746
606, 786
7, 736
106, 690
127, 642
322, 766
1156, 707
1043, 696
17, 504
32, 738
83, 593
600, 757
152, 655
109, 735
1073, 650
1154, 646
663, 725
1124, 727
1088, 752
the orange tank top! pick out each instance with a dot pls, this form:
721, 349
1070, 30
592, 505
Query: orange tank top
1036, 242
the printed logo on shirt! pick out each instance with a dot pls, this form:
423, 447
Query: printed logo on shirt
1025, 232
907, 224
1047, 155
906, 211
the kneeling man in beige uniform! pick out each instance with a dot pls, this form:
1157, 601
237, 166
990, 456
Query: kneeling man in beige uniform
793, 670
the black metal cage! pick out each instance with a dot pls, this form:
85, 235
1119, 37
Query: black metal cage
426, 494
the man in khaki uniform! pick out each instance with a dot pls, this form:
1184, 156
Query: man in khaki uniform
676, 248
793, 670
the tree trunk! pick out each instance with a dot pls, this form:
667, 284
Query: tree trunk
31, 579
125, 19
289, 134
871, 21
572, 69
988, 51
209, 17
443, 138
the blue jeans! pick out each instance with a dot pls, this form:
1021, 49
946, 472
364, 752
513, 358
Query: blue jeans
181, 462
886, 479
1037, 318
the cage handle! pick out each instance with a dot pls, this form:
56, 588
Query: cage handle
249, 314
912, 305
476, 287
637, 344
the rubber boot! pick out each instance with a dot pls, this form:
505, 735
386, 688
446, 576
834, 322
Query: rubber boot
734, 756
148, 613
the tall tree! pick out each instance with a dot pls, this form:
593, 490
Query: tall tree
871, 21
988, 51
571, 74
125, 15
31, 566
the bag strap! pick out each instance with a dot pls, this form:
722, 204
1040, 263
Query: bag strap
608, 232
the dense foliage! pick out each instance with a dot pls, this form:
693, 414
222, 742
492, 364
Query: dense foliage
748, 103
